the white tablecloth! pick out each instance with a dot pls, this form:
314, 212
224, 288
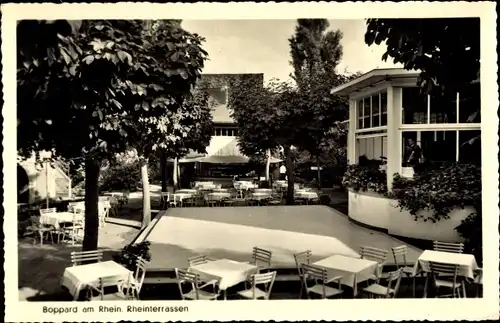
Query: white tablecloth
78, 277
181, 196
187, 191
306, 194
352, 270
227, 272
467, 262
56, 218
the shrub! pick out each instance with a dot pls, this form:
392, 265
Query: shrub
471, 231
121, 177
364, 178
439, 190
130, 253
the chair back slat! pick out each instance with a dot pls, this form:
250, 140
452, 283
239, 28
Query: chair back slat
78, 257
314, 272
266, 279
186, 277
400, 253
140, 273
105, 282
261, 256
455, 247
375, 254
198, 260
48, 211
303, 257
393, 282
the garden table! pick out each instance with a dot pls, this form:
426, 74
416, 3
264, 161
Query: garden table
55, 219
228, 272
307, 195
467, 263
218, 195
186, 191
78, 277
352, 270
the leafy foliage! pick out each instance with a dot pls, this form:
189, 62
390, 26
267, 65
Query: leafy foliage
122, 177
96, 88
471, 230
316, 53
130, 253
440, 190
446, 50
364, 178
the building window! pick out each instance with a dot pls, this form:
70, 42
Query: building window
372, 111
372, 147
441, 146
225, 131
461, 107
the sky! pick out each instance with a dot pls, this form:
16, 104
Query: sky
261, 46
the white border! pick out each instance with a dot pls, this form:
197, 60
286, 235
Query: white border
430, 309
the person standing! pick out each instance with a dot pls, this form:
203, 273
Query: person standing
413, 154
282, 172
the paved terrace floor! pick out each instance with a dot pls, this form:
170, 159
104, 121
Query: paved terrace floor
232, 232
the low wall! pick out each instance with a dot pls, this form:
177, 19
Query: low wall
382, 213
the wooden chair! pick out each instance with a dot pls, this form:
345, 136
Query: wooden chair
134, 284
196, 293
37, 229
189, 202
390, 291
261, 258
319, 278
77, 257
303, 257
446, 270
455, 247
375, 254
96, 292
74, 228
254, 292
399, 253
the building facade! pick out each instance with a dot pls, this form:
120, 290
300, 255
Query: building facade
387, 116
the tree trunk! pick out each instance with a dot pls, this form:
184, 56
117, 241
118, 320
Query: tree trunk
176, 175
268, 163
289, 174
146, 200
319, 172
164, 171
91, 232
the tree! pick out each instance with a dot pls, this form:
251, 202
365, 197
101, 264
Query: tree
184, 118
445, 50
267, 119
81, 90
316, 54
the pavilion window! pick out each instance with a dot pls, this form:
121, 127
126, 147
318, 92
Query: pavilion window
445, 146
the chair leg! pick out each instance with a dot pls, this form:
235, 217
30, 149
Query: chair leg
464, 290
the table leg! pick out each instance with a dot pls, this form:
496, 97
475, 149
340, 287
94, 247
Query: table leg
355, 287
426, 286
225, 295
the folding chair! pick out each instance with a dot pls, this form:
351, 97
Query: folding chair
196, 292
375, 254
303, 257
320, 279
390, 291
399, 253
261, 258
446, 270
120, 295
255, 292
